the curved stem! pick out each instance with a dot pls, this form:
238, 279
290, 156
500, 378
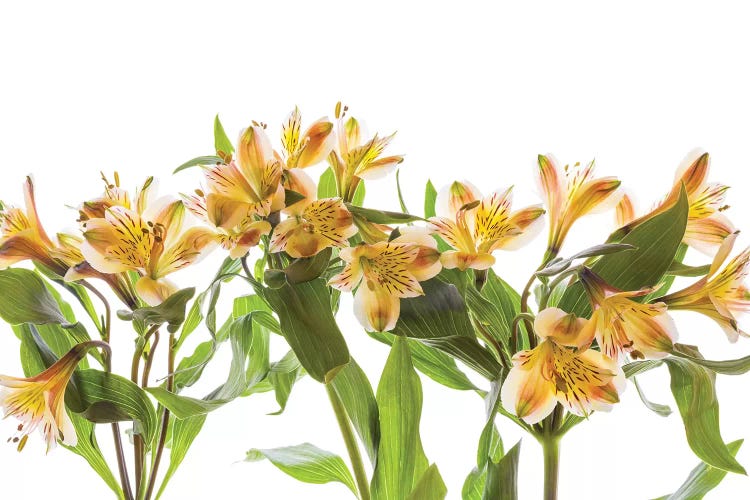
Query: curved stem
350, 440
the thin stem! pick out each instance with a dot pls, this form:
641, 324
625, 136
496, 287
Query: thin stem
525, 310
351, 443
149, 360
551, 448
107, 310
139, 451
164, 420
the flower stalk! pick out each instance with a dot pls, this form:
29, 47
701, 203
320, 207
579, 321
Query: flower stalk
360, 476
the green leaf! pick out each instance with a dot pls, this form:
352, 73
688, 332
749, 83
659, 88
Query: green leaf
502, 477
26, 299
559, 265
292, 197
282, 376
307, 463
693, 389
327, 185
679, 269
222, 144
703, 479
659, 409
726, 367
398, 190
440, 319
430, 486
637, 367
381, 216
359, 194
171, 311
182, 433
315, 338
430, 194
355, 392
657, 241
434, 363
506, 301
200, 160
107, 397
401, 460
302, 270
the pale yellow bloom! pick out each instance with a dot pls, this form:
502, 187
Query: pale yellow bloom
571, 193
313, 226
116, 196
560, 370
39, 401
476, 227
721, 294
385, 272
623, 326
153, 244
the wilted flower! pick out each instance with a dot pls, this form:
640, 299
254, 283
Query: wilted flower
313, 226
572, 193
39, 401
385, 272
153, 244
561, 369
624, 326
477, 228
355, 158
720, 295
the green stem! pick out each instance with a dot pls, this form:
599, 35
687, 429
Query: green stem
363, 485
551, 447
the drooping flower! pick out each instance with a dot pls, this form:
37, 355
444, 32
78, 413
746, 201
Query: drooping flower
476, 227
385, 272
625, 326
313, 226
561, 369
152, 244
355, 159
22, 236
39, 401
721, 294
571, 193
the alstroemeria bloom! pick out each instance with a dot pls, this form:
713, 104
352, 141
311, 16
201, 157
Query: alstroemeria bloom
312, 226
39, 401
721, 294
476, 228
251, 185
153, 244
561, 369
237, 240
304, 149
355, 158
23, 237
116, 196
383, 274
624, 326
571, 193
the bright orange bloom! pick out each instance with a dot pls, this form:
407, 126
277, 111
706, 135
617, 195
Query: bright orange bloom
385, 272
721, 294
561, 369
571, 193
476, 227
313, 226
623, 326
39, 401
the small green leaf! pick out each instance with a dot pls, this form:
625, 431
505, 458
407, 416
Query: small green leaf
659, 409
26, 299
726, 367
315, 338
182, 433
381, 216
292, 197
222, 144
679, 269
282, 376
430, 486
430, 194
637, 367
327, 185
703, 479
198, 161
308, 269
307, 463
171, 311
502, 477
693, 389
359, 194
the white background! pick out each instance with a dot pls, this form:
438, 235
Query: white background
475, 92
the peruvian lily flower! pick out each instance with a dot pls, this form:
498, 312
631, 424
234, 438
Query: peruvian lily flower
385, 272
622, 325
251, 185
304, 149
22, 236
476, 227
561, 369
355, 158
116, 196
39, 401
721, 294
152, 244
239, 239
571, 193
312, 226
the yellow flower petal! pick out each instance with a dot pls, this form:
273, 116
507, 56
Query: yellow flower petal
452, 259
452, 197
564, 328
376, 308
321, 224
317, 143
